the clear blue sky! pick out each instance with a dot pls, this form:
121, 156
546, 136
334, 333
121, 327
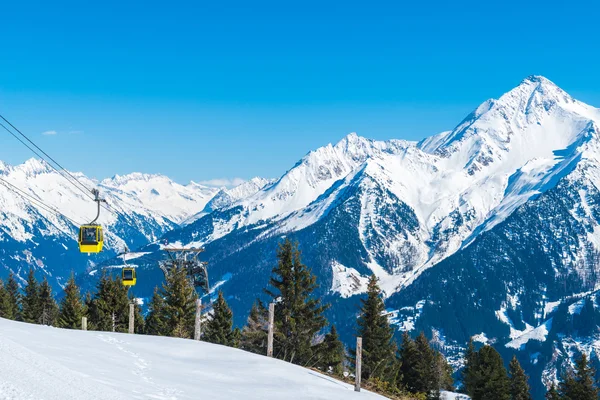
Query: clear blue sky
224, 89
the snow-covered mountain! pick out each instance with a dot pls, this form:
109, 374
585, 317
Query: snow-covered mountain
522, 169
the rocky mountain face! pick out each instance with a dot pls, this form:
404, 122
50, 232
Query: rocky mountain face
488, 230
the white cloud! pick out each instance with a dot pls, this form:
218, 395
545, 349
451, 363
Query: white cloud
227, 182
48, 133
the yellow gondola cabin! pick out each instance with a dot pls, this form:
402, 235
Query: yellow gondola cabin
128, 275
91, 239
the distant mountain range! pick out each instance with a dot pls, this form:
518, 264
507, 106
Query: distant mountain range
488, 230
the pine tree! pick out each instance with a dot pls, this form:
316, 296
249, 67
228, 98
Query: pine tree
519, 388
552, 393
14, 298
179, 311
109, 309
377, 335
237, 337
71, 306
581, 384
5, 307
155, 325
298, 315
47, 305
138, 318
409, 356
331, 353
254, 334
31, 300
219, 329
489, 380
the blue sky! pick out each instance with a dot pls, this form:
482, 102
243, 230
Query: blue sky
204, 90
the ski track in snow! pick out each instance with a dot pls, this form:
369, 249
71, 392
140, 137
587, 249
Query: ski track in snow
45, 363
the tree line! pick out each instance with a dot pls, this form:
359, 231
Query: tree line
411, 369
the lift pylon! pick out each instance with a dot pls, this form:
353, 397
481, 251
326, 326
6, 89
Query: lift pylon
187, 258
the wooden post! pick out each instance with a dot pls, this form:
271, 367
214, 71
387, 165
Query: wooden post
270, 337
358, 364
114, 320
197, 326
131, 317
84, 323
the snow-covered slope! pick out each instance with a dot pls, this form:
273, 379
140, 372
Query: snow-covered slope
421, 202
47, 363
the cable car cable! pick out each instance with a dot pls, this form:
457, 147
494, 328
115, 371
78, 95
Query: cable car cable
46, 154
34, 201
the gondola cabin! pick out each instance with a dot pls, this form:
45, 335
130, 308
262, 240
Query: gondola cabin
91, 239
128, 275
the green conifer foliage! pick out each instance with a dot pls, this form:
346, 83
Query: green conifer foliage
519, 388
179, 311
219, 329
331, 353
14, 298
48, 310
71, 306
155, 325
298, 315
552, 393
254, 334
31, 300
581, 384
109, 308
5, 306
486, 377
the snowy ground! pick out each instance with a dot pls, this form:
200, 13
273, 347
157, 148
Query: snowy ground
38, 362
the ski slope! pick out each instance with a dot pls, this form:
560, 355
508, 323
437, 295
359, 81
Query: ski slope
39, 362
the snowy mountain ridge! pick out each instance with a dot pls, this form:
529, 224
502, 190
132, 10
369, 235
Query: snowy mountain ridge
457, 184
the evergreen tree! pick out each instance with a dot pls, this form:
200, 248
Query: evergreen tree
237, 337
519, 388
31, 300
379, 349
109, 308
155, 325
409, 356
138, 318
219, 329
254, 334
71, 306
488, 377
445, 372
298, 315
331, 353
179, 311
552, 393
581, 384
427, 376
468, 373
47, 305
5, 307
14, 298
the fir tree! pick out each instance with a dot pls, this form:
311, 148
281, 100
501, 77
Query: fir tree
31, 300
219, 329
428, 378
254, 334
5, 307
379, 350
409, 356
139, 323
488, 377
331, 353
179, 311
47, 305
71, 308
519, 388
298, 315
445, 372
155, 325
580, 385
552, 393
109, 308
237, 337
14, 298
468, 373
